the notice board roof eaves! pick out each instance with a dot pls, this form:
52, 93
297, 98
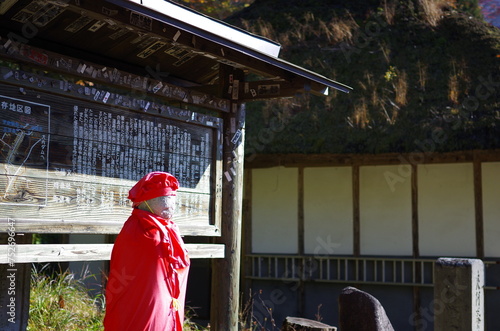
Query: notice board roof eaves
253, 46
159, 39
189, 19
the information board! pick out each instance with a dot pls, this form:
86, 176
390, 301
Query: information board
75, 161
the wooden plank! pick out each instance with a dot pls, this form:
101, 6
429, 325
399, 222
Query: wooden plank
89, 252
206, 251
94, 203
94, 226
304, 324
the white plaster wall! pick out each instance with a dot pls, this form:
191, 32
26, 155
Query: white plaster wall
385, 212
446, 210
274, 210
491, 208
328, 211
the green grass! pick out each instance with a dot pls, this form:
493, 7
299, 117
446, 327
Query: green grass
61, 302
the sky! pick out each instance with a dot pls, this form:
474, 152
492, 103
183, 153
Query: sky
491, 11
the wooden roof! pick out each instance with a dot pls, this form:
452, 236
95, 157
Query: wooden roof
158, 38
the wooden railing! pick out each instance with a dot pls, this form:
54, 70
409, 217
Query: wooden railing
353, 270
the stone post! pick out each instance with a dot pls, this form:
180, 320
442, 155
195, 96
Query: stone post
459, 294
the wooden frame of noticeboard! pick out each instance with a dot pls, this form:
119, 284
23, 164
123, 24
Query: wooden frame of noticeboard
69, 153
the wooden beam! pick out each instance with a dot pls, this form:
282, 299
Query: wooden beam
339, 160
414, 211
258, 90
111, 76
89, 252
246, 242
415, 241
356, 212
478, 207
300, 211
268, 89
301, 239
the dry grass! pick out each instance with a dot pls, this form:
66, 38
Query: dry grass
260, 27
389, 11
453, 89
300, 31
387, 102
433, 9
307, 27
360, 116
339, 29
422, 75
401, 88
386, 51
458, 81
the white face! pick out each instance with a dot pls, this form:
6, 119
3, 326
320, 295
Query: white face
163, 206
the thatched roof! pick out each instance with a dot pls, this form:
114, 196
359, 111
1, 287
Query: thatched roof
421, 73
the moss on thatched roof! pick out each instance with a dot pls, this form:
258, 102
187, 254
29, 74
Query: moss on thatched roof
422, 71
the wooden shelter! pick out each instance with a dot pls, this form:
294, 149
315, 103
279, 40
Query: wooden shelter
377, 222
93, 95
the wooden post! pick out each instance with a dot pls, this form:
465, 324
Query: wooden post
300, 216
224, 307
14, 285
356, 213
478, 207
415, 243
414, 212
246, 242
301, 242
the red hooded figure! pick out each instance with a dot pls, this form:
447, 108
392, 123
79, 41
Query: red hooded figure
149, 265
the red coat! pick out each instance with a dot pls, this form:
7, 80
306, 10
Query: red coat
148, 271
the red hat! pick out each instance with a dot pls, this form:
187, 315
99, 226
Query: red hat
153, 185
